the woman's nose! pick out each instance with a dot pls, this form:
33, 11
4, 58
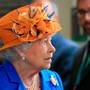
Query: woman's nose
51, 48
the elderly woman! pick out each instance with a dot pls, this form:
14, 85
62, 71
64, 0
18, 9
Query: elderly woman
25, 45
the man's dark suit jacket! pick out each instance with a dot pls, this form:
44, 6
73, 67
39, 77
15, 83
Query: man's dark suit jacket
84, 81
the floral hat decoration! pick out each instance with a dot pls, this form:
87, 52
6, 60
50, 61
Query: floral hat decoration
27, 24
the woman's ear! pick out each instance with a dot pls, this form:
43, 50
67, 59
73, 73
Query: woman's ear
20, 53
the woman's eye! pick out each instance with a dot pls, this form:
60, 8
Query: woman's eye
45, 40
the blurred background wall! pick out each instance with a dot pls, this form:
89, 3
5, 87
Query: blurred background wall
64, 7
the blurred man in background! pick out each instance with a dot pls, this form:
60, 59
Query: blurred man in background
80, 78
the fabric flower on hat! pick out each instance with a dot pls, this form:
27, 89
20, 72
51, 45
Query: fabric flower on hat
27, 24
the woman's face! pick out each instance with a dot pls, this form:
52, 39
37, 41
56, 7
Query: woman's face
40, 53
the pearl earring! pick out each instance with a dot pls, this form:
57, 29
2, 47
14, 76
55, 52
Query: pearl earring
23, 58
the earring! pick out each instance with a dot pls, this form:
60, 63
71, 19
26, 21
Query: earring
23, 58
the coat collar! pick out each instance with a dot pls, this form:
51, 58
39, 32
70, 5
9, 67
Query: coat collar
48, 79
12, 75
44, 74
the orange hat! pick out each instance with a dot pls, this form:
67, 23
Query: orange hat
27, 24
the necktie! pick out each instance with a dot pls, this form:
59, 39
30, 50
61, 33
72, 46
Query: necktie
87, 62
84, 63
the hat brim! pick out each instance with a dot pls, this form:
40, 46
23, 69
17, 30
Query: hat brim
11, 44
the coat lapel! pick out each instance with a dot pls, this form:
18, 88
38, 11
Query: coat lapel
13, 77
45, 80
48, 80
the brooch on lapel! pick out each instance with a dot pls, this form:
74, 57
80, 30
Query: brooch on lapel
53, 81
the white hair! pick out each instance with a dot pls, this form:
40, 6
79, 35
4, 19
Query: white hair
12, 53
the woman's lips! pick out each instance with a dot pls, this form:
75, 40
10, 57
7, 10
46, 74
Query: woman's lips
49, 59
